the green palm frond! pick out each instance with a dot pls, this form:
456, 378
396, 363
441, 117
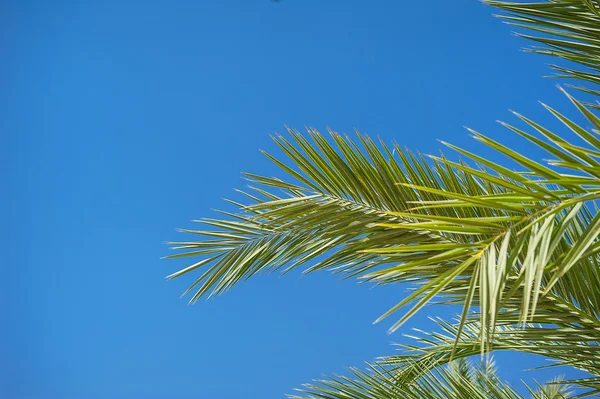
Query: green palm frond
458, 380
478, 236
518, 249
555, 389
567, 29
350, 220
455, 341
333, 208
511, 233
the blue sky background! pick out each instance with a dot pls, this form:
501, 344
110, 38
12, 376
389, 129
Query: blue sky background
123, 120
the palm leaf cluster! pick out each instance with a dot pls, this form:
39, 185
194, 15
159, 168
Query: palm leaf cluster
459, 380
517, 248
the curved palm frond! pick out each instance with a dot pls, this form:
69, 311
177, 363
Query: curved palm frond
518, 249
342, 198
489, 228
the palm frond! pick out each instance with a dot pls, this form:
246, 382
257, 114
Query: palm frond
567, 29
458, 380
454, 341
519, 250
357, 208
551, 390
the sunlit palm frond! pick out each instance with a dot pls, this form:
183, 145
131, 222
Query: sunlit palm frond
555, 389
491, 229
517, 246
338, 204
567, 29
518, 249
455, 341
458, 380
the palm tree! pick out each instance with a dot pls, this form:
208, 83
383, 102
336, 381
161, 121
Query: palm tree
517, 249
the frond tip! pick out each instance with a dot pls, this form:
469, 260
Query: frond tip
566, 29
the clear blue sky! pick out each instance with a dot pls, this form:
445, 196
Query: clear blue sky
123, 120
